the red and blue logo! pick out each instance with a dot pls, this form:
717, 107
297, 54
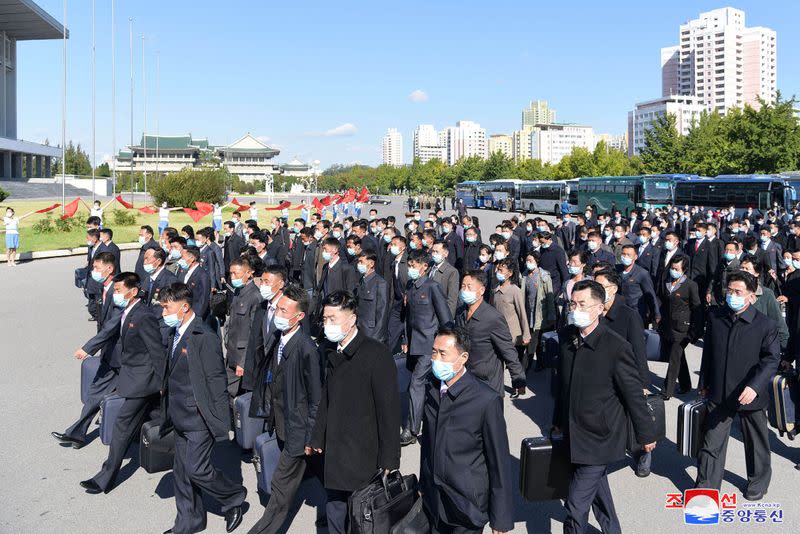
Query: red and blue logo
701, 506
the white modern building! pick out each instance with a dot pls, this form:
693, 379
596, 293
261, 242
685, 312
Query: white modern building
23, 20
393, 148
613, 142
721, 61
538, 112
521, 144
687, 111
551, 142
426, 144
464, 140
502, 143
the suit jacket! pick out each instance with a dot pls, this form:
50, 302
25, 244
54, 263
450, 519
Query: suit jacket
342, 276
213, 263
554, 260
426, 310
139, 268
455, 250
108, 323
200, 285
373, 307
113, 249
309, 274
719, 282
699, 263
601, 254
681, 312
662, 272
296, 254
281, 236
232, 247
738, 351
278, 252
152, 289
256, 351
465, 472
490, 347
203, 351
648, 259
637, 288
471, 254
142, 354
598, 384
626, 322
449, 281
359, 413
244, 304
566, 235
772, 255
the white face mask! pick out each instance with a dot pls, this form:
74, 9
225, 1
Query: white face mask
335, 333
579, 318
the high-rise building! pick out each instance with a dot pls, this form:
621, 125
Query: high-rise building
722, 62
613, 142
551, 142
502, 143
393, 148
427, 145
687, 111
538, 112
521, 144
464, 140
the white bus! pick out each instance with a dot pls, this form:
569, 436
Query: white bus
542, 196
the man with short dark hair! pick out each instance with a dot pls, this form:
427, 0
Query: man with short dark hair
243, 305
233, 243
197, 279
444, 274
157, 275
107, 245
373, 299
271, 284
147, 242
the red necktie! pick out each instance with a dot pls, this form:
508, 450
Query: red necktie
696, 245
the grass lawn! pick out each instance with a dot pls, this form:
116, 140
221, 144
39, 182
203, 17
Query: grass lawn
31, 242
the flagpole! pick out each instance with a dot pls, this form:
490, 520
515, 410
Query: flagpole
113, 100
144, 112
64, 119
158, 103
94, 106
130, 32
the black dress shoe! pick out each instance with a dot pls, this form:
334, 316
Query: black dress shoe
754, 495
233, 518
170, 531
642, 472
92, 320
68, 440
91, 487
407, 438
666, 397
681, 391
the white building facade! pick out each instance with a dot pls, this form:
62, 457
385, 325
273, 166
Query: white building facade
538, 112
687, 111
464, 140
551, 142
502, 143
393, 148
426, 144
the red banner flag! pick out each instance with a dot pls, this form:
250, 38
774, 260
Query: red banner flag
317, 204
205, 207
364, 196
350, 195
326, 201
70, 209
149, 210
237, 203
49, 208
196, 215
119, 199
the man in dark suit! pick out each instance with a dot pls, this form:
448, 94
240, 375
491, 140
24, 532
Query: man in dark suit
296, 252
741, 352
598, 251
773, 253
698, 250
637, 287
157, 278
147, 242
368, 242
197, 279
647, 253
308, 270
233, 245
337, 274
142, 364
396, 275
465, 473
357, 442
195, 404
455, 245
472, 248
672, 248
566, 232
243, 306
105, 379
426, 309
288, 400
598, 384
270, 284
211, 257
489, 336
280, 233
277, 251
444, 274
107, 245
715, 294
373, 299
92, 287
553, 260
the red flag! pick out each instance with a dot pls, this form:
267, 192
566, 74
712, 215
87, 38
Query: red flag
196, 215
364, 196
339, 199
70, 209
148, 209
128, 205
237, 203
205, 207
317, 204
350, 195
326, 201
49, 208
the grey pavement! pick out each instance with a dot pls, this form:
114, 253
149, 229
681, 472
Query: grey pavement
43, 321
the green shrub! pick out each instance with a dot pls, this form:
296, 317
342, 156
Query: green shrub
44, 226
3, 194
185, 187
123, 217
67, 225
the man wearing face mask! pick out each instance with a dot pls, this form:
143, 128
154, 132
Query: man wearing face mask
597, 250
195, 405
92, 288
396, 275
270, 283
598, 384
288, 398
232, 246
455, 245
672, 247
465, 473
105, 380
142, 364
363, 438
553, 260
741, 353
211, 257
158, 277
197, 279
337, 274
444, 274
107, 245
308, 270
147, 242
243, 306
373, 295
637, 287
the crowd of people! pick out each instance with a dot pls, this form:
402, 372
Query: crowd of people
312, 316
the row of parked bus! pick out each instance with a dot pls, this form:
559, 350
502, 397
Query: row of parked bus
624, 193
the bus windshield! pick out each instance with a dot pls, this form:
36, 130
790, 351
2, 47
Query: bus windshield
658, 189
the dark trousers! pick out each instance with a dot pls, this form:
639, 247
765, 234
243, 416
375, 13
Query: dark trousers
677, 369
336, 510
105, 381
285, 481
533, 346
234, 384
711, 459
522, 356
420, 367
194, 474
132, 414
397, 325
588, 488
444, 528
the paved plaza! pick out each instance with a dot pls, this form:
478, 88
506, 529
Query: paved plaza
43, 322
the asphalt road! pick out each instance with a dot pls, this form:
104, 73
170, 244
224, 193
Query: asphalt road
43, 322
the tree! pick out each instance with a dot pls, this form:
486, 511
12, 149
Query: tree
662, 151
77, 161
103, 170
498, 167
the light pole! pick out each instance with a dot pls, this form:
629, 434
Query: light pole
64, 119
144, 130
94, 106
130, 31
113, 99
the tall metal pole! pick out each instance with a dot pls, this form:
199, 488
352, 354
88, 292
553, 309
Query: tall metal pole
130, 31
94, 94
64, 120
144, 109
113, 99
158, 103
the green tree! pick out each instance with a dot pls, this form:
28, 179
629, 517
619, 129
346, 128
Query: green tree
663, 146
77, 161
103, 170
498, 167
188, 185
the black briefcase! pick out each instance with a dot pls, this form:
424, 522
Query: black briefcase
382, 503
218, 304
655, 407
691, 427
545, 469
156, 453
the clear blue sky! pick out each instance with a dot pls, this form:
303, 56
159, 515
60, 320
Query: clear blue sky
296, 73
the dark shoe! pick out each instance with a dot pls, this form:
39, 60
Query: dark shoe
407, 438
642, 472
797, 466
514, 394
233, 518
754, 495
322, 522
92, 320
68, 440
170, 531
681, 390
666, 397
91, 487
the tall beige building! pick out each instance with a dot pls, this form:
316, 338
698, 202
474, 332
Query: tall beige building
502, 143
521, 144
538, 112
393, 148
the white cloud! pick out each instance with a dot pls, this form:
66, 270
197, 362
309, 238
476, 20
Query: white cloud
418, 96
342, 130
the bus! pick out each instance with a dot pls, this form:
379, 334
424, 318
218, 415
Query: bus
496, 192
742, 191
468, 192
624, 193
541, 196
658, 190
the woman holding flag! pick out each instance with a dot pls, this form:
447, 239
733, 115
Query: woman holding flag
12, 235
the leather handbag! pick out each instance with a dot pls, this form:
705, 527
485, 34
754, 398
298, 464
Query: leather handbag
415, 521
382, 503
